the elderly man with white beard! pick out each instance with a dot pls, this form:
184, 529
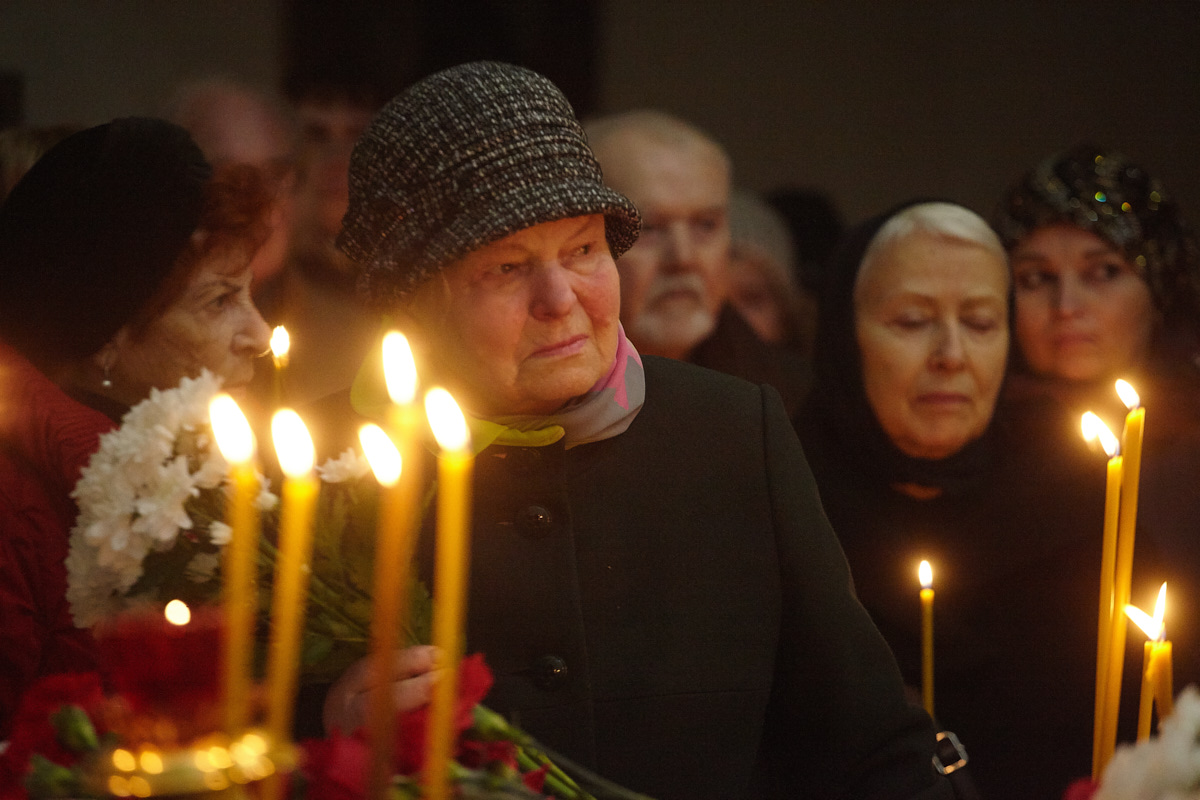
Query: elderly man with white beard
673, 280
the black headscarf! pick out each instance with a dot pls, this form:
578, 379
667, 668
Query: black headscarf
841, 434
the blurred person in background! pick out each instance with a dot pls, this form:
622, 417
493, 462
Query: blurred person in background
314, 296
675, 280
237, 124
763, 286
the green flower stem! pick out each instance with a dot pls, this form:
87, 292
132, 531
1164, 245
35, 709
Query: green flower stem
560, 790
320, 595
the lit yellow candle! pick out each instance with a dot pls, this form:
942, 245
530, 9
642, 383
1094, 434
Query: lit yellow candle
1094, 428
280, 344
1131, 452
1156, 665
399, 474
236, 442
393, 552
450, 576
300, 488
925, 574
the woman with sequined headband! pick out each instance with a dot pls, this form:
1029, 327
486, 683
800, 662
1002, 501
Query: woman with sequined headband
1107, 285
1107, 272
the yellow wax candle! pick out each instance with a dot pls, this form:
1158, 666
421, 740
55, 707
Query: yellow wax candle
450, 575
281, 343
400, 476
1131, 451
1156, 664
1146, 699
300, 489
1164, 697
236, 443
1094, 428
393, 554
925, 574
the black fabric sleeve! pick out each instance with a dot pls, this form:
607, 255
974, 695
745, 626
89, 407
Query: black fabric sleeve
838, 723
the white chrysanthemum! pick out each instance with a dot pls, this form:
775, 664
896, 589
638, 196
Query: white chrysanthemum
161, 514
132, 496
1166, 767
266, 500
346, 467
219, 533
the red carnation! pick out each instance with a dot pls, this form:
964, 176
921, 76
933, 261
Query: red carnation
33, 731
1081, 789
336, 768
474, 682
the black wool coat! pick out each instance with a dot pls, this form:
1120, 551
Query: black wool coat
671, 608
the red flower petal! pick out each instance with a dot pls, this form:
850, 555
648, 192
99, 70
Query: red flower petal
1081, 789
474, 682
32, 730
336, 768
535, 779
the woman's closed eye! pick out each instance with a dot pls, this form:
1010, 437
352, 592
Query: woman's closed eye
911, 322
981, 323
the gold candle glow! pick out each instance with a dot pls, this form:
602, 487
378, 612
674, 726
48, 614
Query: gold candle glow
280, 344
236, 442
1131, 452
925, 574
399, 475
1094, 428
1156, 665
294, 447
450, 576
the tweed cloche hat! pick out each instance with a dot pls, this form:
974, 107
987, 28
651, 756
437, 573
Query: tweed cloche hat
463, 158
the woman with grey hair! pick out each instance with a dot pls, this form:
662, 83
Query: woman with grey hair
652, 579
915, 461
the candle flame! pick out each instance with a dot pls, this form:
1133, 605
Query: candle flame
293, 444
381, 454
177, 613
447, 420
232, 431
1128, 394
925, 574
280, 342
399, 368
1094, 428
1152, 626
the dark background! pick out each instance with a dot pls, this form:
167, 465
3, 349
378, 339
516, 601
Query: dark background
872, 101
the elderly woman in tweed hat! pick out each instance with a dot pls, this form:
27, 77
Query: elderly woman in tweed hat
652, 579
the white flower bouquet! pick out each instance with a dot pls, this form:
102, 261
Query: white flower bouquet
150, 529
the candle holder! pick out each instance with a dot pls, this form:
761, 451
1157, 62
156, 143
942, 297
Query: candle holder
216, 767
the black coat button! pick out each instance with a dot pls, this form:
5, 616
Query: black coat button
535, 521
550, 672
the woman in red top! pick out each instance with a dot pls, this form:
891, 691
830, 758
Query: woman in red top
123, 267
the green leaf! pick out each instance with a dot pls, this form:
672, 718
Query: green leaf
47, 779
74, 729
